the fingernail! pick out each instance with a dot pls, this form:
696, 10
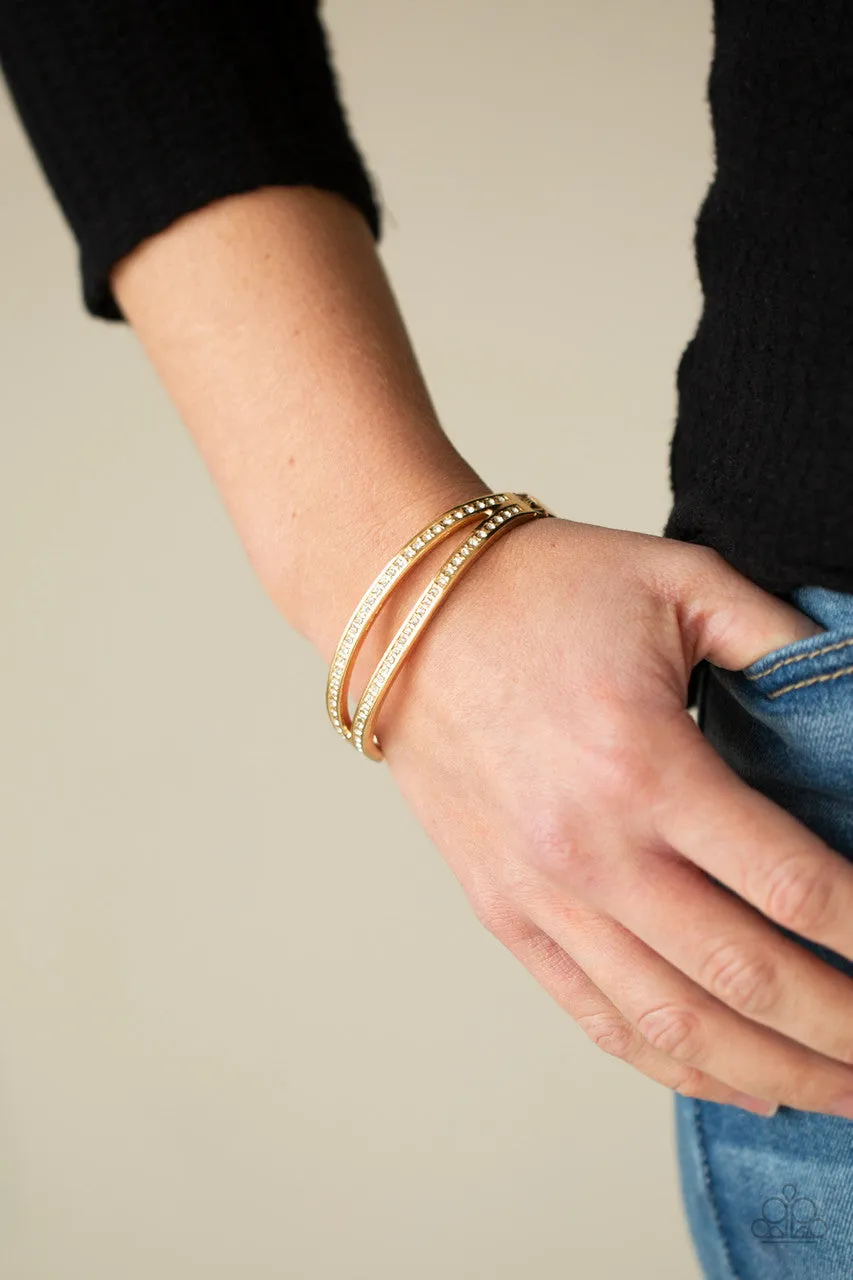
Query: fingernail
759, 1106
843, 1107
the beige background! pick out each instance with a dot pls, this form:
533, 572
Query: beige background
238, 1037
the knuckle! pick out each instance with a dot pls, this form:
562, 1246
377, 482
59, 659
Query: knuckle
798, 895
552, 849
610, 1033
674, 1030
558, 853
747, 982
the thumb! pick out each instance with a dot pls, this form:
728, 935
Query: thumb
737, 622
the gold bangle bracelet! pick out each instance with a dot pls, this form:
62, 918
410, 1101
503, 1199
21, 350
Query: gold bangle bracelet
367, 609
518, 509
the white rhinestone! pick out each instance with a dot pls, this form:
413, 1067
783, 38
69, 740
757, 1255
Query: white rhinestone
448, 520
428, 535
458, 514
466, 550
481, 504
457, 559
418, 542
436, 528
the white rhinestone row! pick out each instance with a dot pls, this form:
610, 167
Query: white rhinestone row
417, 617
378, 588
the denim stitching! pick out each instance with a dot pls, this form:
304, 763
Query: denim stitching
801, 657
709, 1186
801, 684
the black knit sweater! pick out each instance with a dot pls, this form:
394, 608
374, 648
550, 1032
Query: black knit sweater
762, 457
142, 110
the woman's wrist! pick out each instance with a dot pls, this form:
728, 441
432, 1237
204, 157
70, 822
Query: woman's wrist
341, 554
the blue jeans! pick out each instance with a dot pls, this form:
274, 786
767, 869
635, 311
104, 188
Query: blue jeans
773, 1199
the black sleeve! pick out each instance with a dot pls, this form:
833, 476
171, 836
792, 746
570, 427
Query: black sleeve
143, 110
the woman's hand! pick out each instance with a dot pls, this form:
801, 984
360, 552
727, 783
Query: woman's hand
540, 735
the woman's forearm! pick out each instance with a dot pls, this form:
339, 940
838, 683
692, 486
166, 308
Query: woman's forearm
271, 322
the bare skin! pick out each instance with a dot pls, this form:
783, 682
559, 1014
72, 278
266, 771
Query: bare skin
539, 730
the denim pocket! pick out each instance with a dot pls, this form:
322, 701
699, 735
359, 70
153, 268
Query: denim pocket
814, 660
784, 725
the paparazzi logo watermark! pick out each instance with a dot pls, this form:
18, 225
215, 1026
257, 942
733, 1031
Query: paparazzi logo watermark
789, 1219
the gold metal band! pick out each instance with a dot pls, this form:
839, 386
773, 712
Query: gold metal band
364, 615
517, 508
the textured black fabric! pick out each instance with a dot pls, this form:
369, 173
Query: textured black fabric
143, 110
762, 455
